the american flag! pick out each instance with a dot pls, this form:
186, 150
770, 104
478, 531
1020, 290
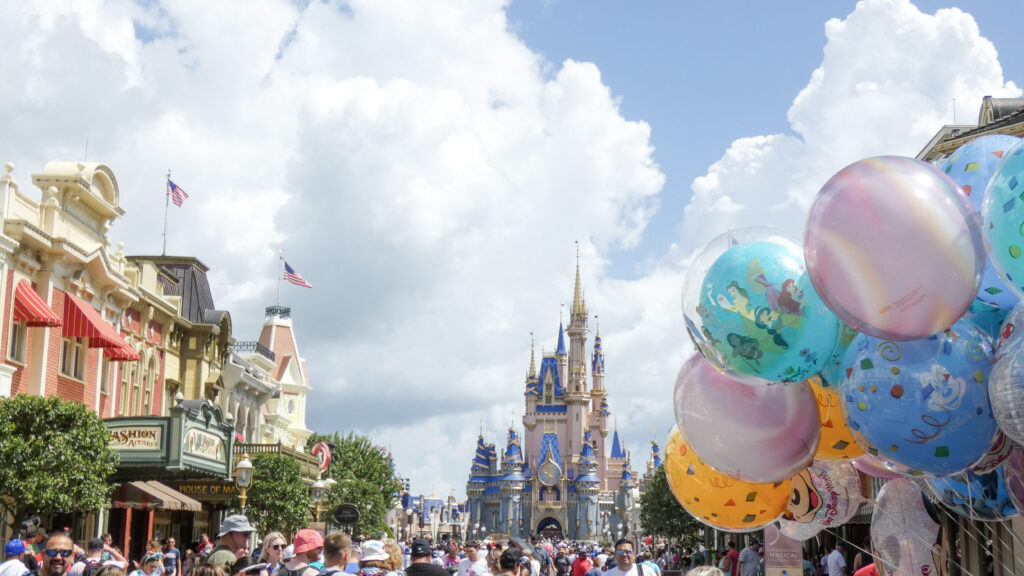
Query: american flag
294, 277
176, 193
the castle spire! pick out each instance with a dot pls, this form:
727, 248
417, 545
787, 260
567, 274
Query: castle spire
561, 340
579, 305
533, 363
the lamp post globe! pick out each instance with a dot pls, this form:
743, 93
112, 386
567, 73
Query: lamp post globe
243, 479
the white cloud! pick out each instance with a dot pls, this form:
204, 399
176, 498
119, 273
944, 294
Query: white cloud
428, 173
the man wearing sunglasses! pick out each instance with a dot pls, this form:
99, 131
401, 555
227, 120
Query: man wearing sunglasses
57, 552
625, 561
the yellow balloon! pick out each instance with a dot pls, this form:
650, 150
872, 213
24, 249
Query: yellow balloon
835, 441
716, 499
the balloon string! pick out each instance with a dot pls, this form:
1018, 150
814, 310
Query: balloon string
972, 526
912, 533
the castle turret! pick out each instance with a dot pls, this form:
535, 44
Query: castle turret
512, 483
588, 487
577, 396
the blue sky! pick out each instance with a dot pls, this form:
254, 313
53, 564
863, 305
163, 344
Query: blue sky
428, 165
705, 73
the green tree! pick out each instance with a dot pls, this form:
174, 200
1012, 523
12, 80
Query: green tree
661, 513
364, 476
278, 498
54, 456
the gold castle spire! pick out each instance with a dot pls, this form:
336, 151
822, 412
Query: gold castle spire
533, 363
579, 306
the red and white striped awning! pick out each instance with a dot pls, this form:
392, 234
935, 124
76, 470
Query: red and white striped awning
123, 353
30, 308
81, 320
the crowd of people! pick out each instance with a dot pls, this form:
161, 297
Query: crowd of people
311, 553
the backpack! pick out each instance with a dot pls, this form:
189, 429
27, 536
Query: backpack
325, 572
91, 568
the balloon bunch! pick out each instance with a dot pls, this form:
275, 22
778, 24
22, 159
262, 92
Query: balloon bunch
869, 349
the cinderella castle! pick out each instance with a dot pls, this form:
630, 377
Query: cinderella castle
559, 478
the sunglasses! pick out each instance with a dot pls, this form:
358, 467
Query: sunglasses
624, 552
54, 553
278, 547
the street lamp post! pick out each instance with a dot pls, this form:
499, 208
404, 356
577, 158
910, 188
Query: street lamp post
316, 496
243, 479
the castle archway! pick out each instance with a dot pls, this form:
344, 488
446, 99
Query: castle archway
549, 528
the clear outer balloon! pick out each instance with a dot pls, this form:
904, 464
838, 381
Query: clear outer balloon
893, 247
905, 531
924, 404
716, 499
1006, 392
971, 167
834, 441
1013, 477
1002, 216
832, 373
752, 312
874, 468
825, 495
974, 496
995, 456
752, 433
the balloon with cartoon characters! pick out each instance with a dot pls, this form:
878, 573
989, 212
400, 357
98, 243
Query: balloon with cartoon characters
906, 532
751, 310
975, 496
921, 406
1002, 215
825, 495
716, 499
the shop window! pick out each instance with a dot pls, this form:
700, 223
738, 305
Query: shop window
17, 342
73, 354
106, 368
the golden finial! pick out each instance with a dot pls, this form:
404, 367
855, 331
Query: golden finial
533, 362
578, 304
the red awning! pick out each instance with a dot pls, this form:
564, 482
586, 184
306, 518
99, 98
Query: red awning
81, 320
152, 495
123, 353
30, 308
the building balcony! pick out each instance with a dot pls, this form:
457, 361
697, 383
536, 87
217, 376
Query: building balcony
250, 346
310, 464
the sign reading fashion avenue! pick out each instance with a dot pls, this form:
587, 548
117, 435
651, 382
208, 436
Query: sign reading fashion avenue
135, 438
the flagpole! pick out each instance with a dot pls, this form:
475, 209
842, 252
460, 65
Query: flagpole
167, 204
280, 274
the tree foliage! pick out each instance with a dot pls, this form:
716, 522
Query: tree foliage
661, 513
364, 476
54, 455
279, 498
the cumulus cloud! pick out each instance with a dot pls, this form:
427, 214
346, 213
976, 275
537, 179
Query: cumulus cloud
886, 84
429, 173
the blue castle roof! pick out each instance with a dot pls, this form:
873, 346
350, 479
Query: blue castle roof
655, 454
513, 453
597, 364
550, 366
617, 451
549, 444
561, 340
587, 453
481, 463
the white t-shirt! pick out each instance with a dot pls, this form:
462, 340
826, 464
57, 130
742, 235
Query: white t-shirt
470, 568
13, 567
631, 572
748, 562
835, 563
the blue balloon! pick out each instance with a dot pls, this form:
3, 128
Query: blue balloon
971, 167
758, 317
975, 496
921, 406
1002, 215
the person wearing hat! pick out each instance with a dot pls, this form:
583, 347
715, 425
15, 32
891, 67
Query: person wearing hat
749, 558
419, 564
234, 538
374, 560
512, 562
307, 547
13, 566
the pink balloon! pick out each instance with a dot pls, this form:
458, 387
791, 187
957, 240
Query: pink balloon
893, 247
872, 467
753, 433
